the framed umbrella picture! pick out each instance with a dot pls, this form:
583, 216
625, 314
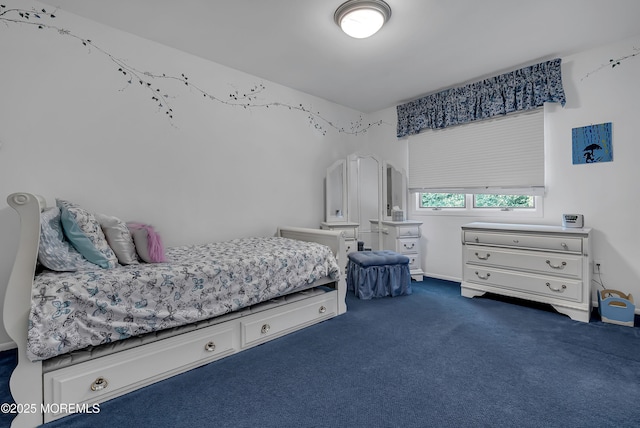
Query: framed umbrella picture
592, 144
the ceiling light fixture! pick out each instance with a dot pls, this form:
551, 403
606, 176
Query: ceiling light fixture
362, 18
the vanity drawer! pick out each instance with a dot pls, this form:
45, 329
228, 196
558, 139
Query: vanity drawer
414, 261
531, 284
126, 370
260, 327
568, 265
349, 233
541, 242
407, 245
350, 246
408, 231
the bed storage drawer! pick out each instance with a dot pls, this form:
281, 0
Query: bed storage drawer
106, 377
265, 326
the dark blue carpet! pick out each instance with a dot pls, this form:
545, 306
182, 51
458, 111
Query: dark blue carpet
432, 359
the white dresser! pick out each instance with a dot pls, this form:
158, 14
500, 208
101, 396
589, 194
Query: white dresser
547, 264
402, 237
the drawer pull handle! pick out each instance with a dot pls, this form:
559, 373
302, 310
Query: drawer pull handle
265, 328
476, 239
210, 347
515, 241
483, 277
409, 247
482, 258
560, 266
322, 309
99, 384
565, 246
560, 289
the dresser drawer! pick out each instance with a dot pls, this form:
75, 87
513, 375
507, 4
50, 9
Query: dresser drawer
531, 284
261, 327
407, 245
115, 374
567, 265
538, 242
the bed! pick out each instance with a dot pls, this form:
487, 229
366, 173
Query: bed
94, 333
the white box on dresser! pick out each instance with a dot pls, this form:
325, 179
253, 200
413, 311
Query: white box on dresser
403, 237
542, 263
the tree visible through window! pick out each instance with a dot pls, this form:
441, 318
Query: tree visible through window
442, 200
459, 200
504, 201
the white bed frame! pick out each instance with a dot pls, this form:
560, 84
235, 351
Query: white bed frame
44, 395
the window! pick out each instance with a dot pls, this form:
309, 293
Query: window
503, 201
468, 204
442, 200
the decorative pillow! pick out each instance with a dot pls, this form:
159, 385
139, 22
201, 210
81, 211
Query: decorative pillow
148, 243
84, 232
54, 252
119, 238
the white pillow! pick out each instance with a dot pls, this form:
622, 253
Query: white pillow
119, 239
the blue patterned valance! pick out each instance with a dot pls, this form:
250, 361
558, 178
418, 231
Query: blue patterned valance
524, 89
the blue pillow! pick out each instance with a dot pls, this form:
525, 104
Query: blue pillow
54, 252
85, 234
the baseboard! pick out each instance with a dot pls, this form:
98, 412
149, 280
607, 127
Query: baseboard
443, 277
7, 346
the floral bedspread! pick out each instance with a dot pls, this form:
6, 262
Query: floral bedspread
73, 310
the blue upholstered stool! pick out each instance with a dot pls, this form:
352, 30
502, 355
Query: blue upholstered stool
378, 274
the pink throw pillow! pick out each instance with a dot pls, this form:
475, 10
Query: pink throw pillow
148, 243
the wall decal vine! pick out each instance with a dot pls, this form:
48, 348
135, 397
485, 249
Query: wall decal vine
613, 62
149, 81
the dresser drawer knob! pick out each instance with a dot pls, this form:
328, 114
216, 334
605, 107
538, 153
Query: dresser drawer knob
564, 245
559, 289
409, 247
210, 346
322, 309
99, 384
483, 276
482, 257
516, 241
265, 328
560, 266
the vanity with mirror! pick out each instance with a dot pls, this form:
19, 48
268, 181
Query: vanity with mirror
366, 198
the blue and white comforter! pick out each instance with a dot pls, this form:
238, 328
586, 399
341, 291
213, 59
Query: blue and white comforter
73, 310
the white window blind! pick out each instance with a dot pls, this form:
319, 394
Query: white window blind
503, 155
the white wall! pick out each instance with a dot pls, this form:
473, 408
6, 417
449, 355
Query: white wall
606, 193
72, 127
